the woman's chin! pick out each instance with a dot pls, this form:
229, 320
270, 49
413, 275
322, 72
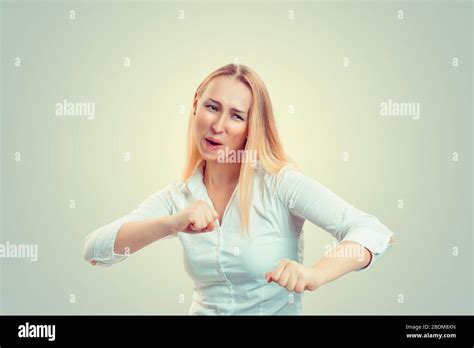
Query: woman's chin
208, 156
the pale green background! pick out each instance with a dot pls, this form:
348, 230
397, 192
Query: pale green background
137, 111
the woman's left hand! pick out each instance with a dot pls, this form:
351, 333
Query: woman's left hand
294, 276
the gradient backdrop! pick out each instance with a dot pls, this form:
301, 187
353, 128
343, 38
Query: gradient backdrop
328, 67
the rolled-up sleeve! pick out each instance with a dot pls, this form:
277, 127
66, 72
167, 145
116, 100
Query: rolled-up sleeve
310, 200
99, 244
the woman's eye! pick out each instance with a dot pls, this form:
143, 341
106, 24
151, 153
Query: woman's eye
212, 106
235, 115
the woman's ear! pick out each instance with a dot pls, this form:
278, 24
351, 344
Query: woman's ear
195, 105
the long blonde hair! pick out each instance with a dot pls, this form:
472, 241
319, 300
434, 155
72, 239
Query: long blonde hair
262, 135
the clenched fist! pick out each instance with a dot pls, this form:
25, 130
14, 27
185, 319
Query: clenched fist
196, 218
294, 276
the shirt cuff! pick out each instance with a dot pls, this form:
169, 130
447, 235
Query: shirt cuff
100, 245
377, 241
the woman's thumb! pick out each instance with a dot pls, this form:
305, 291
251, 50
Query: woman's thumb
193, 227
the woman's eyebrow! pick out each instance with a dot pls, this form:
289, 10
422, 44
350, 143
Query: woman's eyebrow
234, 109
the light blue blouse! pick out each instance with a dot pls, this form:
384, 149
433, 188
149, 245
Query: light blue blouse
228, 269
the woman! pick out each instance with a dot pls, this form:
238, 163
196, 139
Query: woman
239, 218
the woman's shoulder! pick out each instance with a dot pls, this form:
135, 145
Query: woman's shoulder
170, 189
287, 169
288, 172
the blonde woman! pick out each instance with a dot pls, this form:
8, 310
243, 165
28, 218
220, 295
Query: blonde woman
239, 210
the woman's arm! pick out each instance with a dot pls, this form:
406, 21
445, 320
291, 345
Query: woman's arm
363, 238
196, 218
348, 256
340, 261
151, 221
135, 235
146, 223
310, 200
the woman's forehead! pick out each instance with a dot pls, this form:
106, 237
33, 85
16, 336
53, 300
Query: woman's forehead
229, 92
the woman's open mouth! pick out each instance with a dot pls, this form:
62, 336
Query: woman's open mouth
212, 143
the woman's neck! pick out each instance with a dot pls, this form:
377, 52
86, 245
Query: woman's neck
221, 174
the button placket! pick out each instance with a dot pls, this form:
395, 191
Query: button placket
228, 283
220, 243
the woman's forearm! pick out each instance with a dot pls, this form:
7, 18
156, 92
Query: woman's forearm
134, 235
348, 256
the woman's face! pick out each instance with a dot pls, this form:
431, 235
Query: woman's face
222, 117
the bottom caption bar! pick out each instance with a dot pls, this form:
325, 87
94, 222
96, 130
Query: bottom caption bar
160, 329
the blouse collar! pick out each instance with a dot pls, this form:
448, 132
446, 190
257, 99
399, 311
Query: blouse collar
195, 181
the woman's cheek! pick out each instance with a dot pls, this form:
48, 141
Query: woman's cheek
238, 134
203, 123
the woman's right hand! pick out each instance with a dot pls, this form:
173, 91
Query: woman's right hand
196, 218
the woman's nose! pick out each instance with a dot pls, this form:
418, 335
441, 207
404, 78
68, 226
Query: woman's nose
218, 124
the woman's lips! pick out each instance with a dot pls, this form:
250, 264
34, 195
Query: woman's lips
210, 146
214, 141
